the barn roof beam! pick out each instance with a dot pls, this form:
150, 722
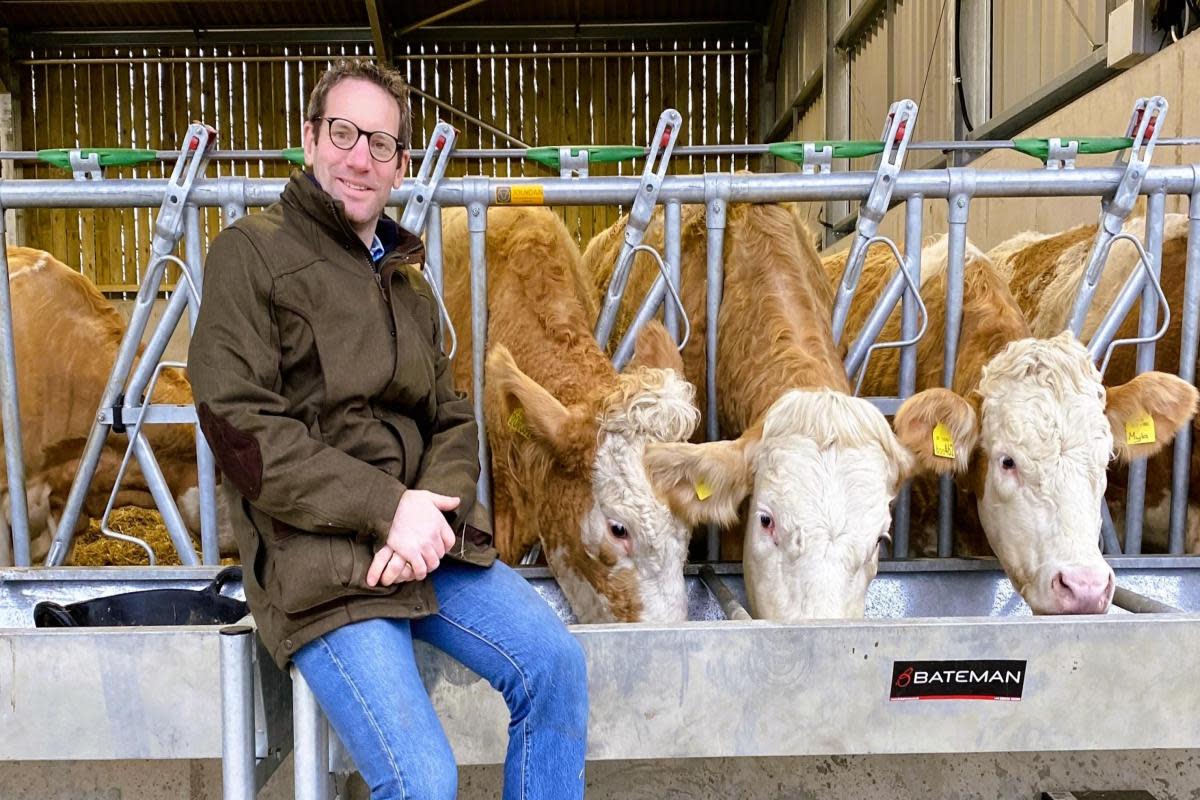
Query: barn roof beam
441, 15
706, 29
381, 30
185, 37
773, 36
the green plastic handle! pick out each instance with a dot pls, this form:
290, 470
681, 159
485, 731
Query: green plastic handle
852, 148
597, 154
1088, 145
294, 155
109, 156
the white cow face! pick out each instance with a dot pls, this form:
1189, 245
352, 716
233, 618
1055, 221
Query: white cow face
613, 544
820, 476
1048, 431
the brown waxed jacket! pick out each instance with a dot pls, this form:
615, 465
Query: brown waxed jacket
322, 389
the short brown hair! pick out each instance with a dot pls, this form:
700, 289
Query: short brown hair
385, 78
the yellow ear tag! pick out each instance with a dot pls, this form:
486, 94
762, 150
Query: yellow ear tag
703, 490
1140, 430
943, 442
517, 423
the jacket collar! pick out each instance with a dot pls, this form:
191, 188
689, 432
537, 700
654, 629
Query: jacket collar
304, 194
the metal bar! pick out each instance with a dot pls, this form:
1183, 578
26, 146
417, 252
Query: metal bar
10, 413
857, 353
468, 117
476, 194
1140, 604
963, 183
646, 312
599, 31
237, 713
520, 152
672, 224
849, 34
206, 466
1135, 494
438, 16
729, 604
310, 732
716, 193
902, 519
744, 188
161, 493
433, 255
1190, 332
1108, 531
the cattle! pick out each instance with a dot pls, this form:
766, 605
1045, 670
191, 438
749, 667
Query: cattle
1044, 272
66, 336
1045, 427
809, 469
566, 431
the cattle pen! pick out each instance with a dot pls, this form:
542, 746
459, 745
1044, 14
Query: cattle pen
950, 685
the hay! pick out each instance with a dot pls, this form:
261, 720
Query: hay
94, 549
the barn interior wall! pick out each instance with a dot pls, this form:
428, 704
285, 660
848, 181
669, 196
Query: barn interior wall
556, 93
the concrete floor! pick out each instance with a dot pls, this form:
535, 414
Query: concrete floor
1165, 774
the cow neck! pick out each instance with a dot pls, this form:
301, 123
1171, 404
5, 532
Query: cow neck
784, 338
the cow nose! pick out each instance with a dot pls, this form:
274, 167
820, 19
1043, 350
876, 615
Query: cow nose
1082, 589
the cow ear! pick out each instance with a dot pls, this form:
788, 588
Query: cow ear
702, 482
531, 412
940, 429
1146, 412
655, 348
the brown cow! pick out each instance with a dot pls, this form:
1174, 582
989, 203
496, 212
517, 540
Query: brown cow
818, 466
1046, 427
1044, 272
566, 430
66, 337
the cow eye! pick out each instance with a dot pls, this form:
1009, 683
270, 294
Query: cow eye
617, 530
765, 520
1008, 463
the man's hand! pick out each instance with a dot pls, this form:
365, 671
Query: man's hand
417, 540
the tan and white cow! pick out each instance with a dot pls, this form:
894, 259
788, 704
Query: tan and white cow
1044, 428
1044, 271
812, 470
567, 432
66, 337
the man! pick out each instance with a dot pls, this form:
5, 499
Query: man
322, 388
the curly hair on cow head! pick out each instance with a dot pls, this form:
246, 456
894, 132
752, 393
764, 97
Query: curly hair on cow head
386, 78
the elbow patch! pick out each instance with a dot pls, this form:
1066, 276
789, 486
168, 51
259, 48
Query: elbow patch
237, 453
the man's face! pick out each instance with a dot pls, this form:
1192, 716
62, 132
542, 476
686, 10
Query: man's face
354, 176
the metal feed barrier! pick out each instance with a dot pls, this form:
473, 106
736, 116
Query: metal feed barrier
659, 691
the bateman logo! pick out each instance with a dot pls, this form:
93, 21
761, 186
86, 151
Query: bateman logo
957, 680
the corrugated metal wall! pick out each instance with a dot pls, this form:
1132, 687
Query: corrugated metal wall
1034, 42
542, 94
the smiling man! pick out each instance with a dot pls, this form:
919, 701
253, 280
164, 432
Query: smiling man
322, 388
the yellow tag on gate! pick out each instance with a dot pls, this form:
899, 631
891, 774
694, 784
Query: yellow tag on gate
943, 442
703, 490
521, 194
517, 423
1140, 430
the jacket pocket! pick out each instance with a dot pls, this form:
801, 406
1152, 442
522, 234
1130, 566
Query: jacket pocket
309, 570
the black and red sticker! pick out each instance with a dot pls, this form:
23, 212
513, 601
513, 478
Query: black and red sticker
957, 680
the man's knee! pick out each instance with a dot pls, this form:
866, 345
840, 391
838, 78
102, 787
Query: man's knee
562, 672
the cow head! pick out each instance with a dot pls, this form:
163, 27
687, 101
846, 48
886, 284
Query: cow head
820, 473
1048, 429
614, 546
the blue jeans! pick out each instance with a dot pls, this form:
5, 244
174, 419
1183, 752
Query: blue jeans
366, 681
